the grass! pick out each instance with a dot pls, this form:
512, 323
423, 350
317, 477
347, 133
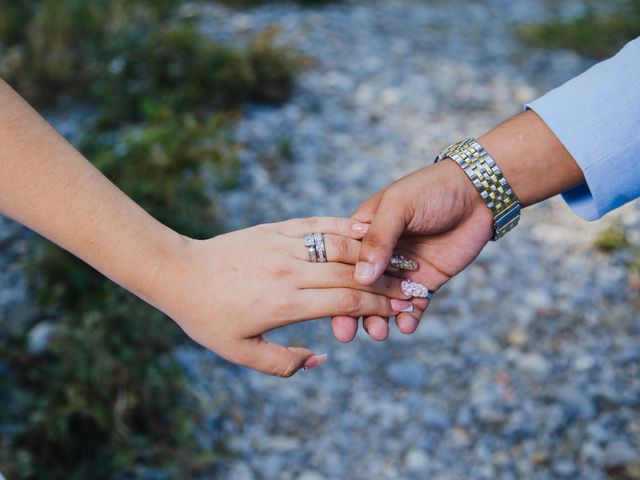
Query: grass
598, 32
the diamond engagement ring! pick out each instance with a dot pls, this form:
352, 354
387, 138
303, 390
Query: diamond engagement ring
314, 243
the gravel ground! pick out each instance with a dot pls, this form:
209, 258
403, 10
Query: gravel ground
526, 365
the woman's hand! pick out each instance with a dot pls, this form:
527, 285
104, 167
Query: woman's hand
227, 291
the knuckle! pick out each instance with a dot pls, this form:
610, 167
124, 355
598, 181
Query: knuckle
310, 222
285, 369
346, 275
351, 302
280, 308
341, 248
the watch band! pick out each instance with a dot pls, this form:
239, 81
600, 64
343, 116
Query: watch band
486, 176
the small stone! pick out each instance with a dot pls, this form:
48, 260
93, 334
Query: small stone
435, 418
619, 454
241, 471
584, 363
591, 452
517, 338
564, 468
408, 374
310, 475
533, 363
539, 299
416, 460
39, 338
629, 354
281, 443
539, 458
576, 403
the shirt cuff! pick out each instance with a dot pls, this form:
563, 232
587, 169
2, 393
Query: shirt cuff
596, 117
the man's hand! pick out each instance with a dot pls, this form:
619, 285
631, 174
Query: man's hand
442, 221
434, 216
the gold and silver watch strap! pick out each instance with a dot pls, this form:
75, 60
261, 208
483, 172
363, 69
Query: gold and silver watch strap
486, 176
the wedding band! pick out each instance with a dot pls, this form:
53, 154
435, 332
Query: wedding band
320, 248
314, 242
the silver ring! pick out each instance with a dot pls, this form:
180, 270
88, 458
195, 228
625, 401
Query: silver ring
314, 243
310, 245
320, 248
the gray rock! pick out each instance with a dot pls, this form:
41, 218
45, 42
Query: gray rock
311, 475
534, 363
241, 471
39, 337
435, 418
592, 453
629, 354
416, 460
576, 403
407, 374
564, 468
619, 454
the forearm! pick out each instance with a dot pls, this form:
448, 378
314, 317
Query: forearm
532, 159
50, 187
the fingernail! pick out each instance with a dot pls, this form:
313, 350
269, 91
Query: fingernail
414, 289
407, 324
403, 263
401, 306
315, 361
364, 270
360, 227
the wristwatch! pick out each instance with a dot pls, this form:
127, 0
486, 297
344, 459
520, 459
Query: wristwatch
486, 176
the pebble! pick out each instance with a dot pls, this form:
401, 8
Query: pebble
310, 475
534, 363
416, 460
407, 373
39, 337
619, 454
241, 471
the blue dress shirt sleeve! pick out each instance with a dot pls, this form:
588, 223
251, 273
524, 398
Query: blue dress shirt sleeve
596, 116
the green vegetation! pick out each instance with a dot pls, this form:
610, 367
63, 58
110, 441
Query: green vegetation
106, 395
253, 3
119, 55
598, 32
612, 239
615, 239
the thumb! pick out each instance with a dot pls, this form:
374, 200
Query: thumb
378, 244
275, 359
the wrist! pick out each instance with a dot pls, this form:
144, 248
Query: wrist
161, 259
532, 159
466, 192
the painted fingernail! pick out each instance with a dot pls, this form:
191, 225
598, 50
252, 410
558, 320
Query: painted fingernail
364, 270
414, 289
360, 227
314, 361
401, 306
403, 263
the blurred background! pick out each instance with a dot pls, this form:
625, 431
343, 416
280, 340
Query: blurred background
220, 115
